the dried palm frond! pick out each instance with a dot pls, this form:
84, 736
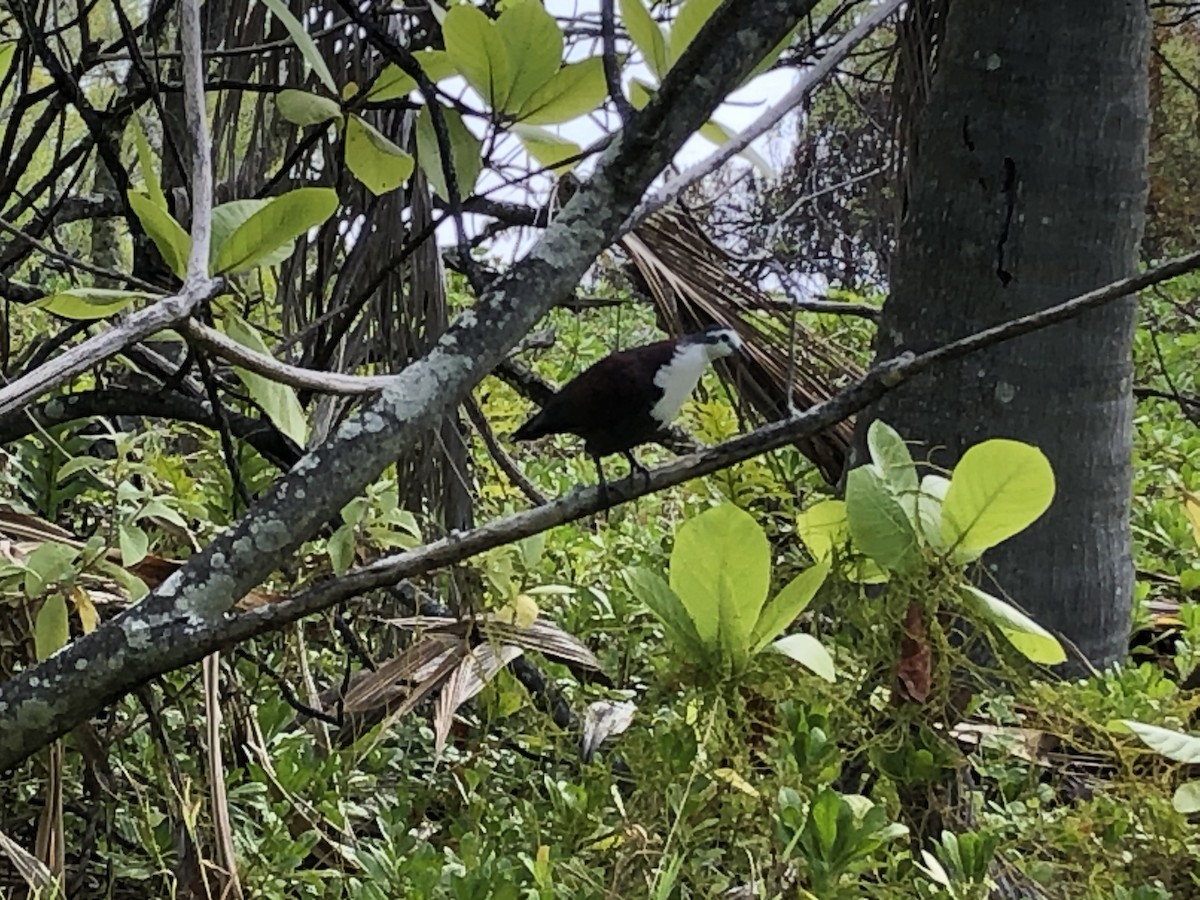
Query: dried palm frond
694, 284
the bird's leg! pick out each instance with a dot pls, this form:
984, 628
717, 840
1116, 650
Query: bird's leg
636, 468
603, 482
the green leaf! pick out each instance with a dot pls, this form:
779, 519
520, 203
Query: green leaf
278, 401
276, 225
575, 90
303, 108
304, 43
228, 217
1174, 745
721, 570
647, 36
928, 510
478, 51
134, 543
146, 163
51, 630
340, 548
88, 303
47, 564
535, 46
1030, 638
719, 135
640, 93
878, 524
7, 49
822, 527
168, 235
998, 488
1187, 798
808, 651
667, 608
547, 148
465, 150
789, 603
393, 83
688, 23
891, 458
375, 161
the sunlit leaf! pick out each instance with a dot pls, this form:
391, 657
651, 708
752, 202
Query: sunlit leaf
374, 159
1030, 638
878, 523
640, 93
89, 303
146, 163
547, 148
276, 225
228, 217
1174, 745
928, 509
721, 570
85, 609
7, 49
51, 630
134, 543
575, 90
692, 16
340, 547
668, 608
172, 241
477, 50
1187, 798
998, 488
646, 35
720, 135
890, 456
534, 44
785, 606
1191, 507
465, 149
304, 42
807, 650
304, 109
393, 83
278, 401
823, 527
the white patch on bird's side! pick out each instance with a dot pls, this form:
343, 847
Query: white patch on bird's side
678, 379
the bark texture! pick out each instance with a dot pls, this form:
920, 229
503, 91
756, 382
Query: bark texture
1028, 185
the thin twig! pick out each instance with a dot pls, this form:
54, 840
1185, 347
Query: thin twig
612, 72
503, 461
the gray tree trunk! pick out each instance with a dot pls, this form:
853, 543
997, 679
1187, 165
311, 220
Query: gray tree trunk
1027, 186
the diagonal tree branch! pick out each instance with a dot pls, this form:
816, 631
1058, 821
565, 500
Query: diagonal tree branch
47, 700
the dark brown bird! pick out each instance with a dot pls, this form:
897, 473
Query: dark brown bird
628, 398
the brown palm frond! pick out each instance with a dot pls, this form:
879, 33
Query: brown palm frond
694, 284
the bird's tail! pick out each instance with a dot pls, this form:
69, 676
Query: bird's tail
532, 430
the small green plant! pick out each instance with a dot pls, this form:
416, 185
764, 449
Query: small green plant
958, 865
715, 608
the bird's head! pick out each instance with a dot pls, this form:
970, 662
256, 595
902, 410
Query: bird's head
717, 341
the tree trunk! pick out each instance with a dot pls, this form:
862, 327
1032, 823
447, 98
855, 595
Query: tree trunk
1028, 186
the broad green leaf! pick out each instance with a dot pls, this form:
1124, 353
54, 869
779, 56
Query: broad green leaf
640, 93
534, 44
478, 51
304, 42
721, 570
340, 548
88, 303
51, 631
808, 651
1174, 745
374, 159
436, 65
998, 488
134, 543
647, 36
228, 217
465, 150
928, 511
547, 148
878, 524
822, 527
789, 603
688, 23
1030, 638
1191, 508
720, 135
146, 163
276, 225
575, 90
278, 401
303, 108
890, 456
667, 608
7, 49
393, 83
48, 563
168, 235
1187, 798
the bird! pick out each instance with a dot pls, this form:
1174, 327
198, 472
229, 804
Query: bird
629, 397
